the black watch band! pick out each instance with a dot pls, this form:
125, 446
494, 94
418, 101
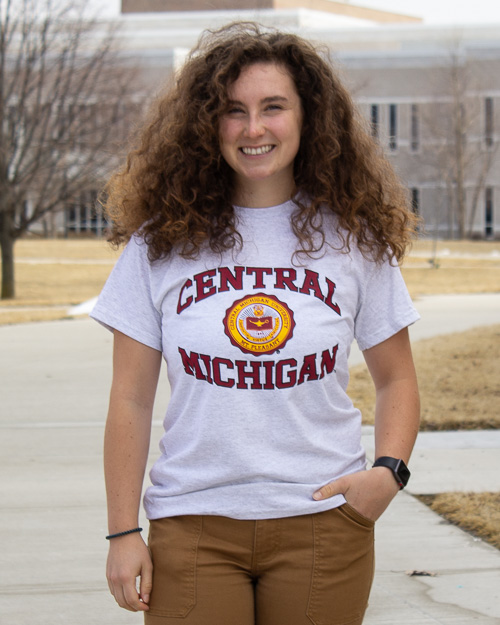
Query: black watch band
398, 467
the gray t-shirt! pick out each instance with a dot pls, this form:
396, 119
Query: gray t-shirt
256, 343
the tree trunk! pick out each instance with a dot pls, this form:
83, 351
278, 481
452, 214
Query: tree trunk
7, 241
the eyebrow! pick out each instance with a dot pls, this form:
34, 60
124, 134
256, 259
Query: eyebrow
273, 98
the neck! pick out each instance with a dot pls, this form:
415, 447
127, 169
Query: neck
263, 193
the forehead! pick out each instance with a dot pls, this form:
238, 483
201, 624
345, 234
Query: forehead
262, 77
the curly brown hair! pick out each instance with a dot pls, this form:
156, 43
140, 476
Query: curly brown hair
177, 189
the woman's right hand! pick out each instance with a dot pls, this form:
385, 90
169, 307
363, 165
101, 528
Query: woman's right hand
129, 559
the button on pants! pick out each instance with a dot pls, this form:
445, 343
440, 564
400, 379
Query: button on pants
315, 569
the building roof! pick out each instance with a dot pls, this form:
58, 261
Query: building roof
340, 8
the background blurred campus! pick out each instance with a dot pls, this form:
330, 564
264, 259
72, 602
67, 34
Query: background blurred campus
71, 91
430, 95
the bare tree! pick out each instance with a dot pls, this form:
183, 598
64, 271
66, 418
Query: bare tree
461, 157
62, 97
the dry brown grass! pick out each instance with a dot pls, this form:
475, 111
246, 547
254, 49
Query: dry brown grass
442, 249
57, 284
65, 249
52, 275
477, 513
480, 278
463, 267
459, 379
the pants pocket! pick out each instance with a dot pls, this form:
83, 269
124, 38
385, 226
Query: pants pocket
351, 513
343, 567
173, 543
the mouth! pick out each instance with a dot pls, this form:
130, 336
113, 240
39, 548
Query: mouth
263, 149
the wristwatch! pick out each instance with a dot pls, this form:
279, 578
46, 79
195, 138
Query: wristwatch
398, 467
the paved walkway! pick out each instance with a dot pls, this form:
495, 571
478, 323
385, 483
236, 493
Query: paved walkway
54, 384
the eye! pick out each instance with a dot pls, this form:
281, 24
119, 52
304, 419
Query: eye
234, 110
274, 107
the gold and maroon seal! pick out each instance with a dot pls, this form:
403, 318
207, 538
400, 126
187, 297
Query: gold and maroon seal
259, 324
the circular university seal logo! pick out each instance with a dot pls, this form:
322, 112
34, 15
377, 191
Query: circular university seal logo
259, 324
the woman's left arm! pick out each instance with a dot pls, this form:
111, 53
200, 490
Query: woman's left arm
397, 416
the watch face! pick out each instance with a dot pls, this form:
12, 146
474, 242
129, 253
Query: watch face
403, 472
398, 467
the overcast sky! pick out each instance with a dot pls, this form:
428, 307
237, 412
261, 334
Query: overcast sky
433, 11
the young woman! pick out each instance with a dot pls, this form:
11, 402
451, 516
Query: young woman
263, 232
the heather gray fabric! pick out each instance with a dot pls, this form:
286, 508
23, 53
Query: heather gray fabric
256, 343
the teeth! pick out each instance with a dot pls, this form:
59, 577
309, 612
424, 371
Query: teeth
255, 151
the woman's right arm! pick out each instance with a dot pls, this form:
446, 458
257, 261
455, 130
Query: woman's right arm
136, 369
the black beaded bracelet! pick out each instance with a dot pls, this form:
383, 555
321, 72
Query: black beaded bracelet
137, 529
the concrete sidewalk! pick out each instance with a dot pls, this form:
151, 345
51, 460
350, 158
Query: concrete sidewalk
55, 381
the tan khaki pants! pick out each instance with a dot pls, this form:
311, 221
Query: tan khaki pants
315, 569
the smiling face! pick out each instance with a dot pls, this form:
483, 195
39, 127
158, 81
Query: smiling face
260, 134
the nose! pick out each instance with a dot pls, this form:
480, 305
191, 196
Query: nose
254, 127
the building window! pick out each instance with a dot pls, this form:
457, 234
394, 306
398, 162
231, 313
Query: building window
71, 217
95, 214
415, 200
86, 215
415, 128
393, 126
488, 122
374, 120
82, 213
488, 212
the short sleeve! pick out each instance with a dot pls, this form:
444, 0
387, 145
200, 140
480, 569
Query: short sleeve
384, 307
126, 302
